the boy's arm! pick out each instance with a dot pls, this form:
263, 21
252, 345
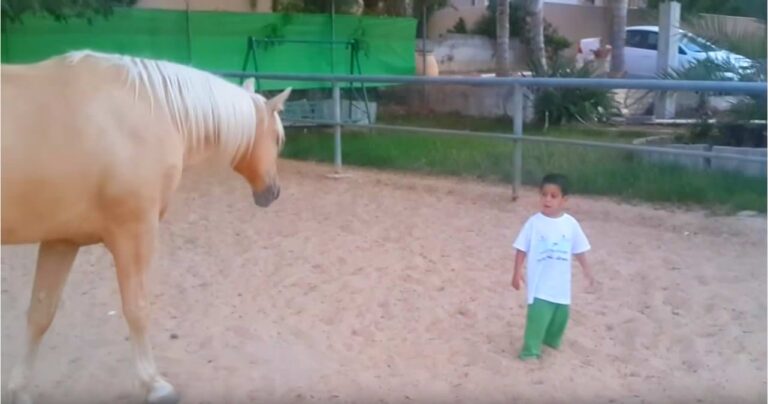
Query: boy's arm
517, 277
582, 259
581, 244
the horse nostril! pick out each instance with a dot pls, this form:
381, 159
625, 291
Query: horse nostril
277, 192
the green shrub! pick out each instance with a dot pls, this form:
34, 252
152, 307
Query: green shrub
733, 127
556, 106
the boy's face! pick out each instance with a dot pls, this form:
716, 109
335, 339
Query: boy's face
552, 200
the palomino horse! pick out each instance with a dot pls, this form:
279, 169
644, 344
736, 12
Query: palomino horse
93, 146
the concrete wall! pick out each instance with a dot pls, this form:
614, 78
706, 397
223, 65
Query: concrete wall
487, 102
587, 21
576, 22
242, 6
749, 168
463, 54
690, 162
754, 169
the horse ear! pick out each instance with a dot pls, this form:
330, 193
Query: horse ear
277, 103
250, 84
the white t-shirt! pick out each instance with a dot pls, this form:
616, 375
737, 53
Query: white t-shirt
550, 244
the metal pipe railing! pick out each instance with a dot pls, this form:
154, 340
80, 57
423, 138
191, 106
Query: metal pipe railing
603, 83
519, 84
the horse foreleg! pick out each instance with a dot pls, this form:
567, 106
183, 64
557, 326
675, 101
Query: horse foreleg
132, 247
54, 262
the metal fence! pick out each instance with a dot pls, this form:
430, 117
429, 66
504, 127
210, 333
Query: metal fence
519, 84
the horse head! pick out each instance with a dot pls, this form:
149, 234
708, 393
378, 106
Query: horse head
258, 165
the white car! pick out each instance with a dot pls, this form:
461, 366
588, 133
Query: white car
640, 51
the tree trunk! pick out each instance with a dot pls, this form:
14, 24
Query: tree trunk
400, 8
502, 38
618, 36
408, 8
536, 9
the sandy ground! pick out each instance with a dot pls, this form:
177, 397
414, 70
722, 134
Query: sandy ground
390, 288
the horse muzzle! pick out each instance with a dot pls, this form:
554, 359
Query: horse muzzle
265, 197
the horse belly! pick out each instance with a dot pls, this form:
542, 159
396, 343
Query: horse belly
33, 213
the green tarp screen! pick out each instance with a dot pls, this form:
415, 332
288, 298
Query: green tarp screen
218, 41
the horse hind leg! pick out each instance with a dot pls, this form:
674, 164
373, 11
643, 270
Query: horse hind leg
54, 263
132, 247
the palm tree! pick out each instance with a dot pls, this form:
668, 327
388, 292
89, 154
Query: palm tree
750, 43
536, 10
618, 36
502, 38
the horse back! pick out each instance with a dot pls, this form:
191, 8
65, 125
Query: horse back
76, 145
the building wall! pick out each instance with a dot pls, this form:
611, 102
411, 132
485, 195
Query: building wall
576, 22
462, 54
572, 21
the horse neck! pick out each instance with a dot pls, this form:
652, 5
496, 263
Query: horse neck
211, 149
197, 153
196, 156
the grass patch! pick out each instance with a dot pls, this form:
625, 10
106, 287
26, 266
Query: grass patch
505, 125
592, 171
449, 155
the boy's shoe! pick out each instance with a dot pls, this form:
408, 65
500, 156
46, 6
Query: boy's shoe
528, 357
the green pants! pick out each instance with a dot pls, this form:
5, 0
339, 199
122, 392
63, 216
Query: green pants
545, 323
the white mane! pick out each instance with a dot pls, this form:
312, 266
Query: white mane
205, 108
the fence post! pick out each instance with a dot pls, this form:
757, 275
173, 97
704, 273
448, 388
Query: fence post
517, 107
337, 127
669, 37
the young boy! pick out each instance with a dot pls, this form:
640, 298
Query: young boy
549, 239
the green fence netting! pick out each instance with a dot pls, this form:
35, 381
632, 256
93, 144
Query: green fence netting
218, 41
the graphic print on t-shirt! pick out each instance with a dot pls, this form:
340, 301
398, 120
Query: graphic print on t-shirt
556, 250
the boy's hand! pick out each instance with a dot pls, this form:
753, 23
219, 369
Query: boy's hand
591, 284
517, 281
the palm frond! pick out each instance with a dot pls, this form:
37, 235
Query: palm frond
747, 37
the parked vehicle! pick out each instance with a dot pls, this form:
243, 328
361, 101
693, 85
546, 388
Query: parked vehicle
641, 51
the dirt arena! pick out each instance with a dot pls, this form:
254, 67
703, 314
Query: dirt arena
394, 288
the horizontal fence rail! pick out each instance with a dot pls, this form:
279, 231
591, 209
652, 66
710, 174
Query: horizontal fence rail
603, 83
519, 83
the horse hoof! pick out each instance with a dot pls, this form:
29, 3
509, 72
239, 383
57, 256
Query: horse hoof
162, 393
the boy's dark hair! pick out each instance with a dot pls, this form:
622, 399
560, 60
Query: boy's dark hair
557, 179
